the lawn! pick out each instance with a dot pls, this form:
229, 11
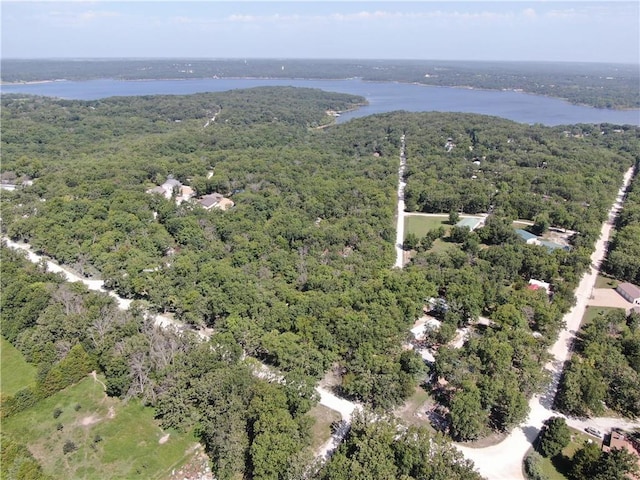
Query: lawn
558, 468
15, 372
419, 225
603, 281
321, 429
592, 312
113, 439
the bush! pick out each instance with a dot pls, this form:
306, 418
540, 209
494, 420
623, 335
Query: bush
57, 412
59, 427
69, 447
12, 404
533, 466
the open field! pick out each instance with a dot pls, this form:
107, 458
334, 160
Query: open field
15, 372
112, 439
419, 225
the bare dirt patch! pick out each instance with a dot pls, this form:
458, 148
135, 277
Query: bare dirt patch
487, 441
164, 439
196, 468
89, 420
111, 413
608, 297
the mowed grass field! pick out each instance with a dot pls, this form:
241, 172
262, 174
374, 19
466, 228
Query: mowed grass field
419, 225
592, 312
113, 439
15, 372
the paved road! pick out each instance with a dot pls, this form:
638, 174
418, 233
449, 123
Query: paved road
504, 460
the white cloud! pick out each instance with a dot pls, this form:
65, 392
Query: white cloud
67, 18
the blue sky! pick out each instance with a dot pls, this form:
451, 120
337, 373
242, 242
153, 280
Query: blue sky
473, 30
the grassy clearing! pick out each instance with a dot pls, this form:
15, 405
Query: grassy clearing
414, 409
419, 225
442, 246
113, 439
520, 225
321, 430
559, 466
604, 281
15, 372
592, 312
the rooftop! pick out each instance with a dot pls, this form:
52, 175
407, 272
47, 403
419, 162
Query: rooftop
632, 290
526, 236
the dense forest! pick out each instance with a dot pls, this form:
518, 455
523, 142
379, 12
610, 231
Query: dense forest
298, 273
597, 85
605, 370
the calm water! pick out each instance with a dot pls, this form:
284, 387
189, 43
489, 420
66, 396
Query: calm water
382, 97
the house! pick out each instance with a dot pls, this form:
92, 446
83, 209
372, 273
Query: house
551, 246
630, 292
620, 441
168, 188
528, 237
471, 223
215, 200
538, 284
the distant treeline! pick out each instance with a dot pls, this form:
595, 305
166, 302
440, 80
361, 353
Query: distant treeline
597, 85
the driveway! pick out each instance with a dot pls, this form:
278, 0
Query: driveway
608, 297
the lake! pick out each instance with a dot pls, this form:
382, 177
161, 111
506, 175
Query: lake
382, 97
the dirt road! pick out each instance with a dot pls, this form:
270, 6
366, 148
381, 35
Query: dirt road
504, 460
400, 221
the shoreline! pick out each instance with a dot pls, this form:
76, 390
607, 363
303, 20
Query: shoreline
417, 83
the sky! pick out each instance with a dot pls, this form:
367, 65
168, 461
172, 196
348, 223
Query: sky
579, 31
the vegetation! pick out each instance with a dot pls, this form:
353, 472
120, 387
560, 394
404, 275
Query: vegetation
106, 438
554, 437
16, 373
591, 462
623, 257
297, 274
17, 462
598, 85
604, 367
378, 448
